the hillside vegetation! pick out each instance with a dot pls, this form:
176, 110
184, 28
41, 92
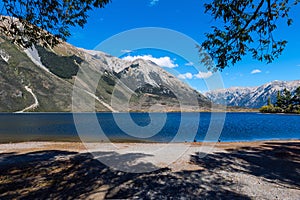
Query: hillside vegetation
286, 103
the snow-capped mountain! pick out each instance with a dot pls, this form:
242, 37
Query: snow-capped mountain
42, 79
251, 97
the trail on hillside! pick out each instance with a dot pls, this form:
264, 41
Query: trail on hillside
34, 105
102, 102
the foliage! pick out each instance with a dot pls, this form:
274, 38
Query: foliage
279, 101
243, 26
287, 99
245, 22
296, 97
43, 22
270, 109
62, 66
269, 101
285, 103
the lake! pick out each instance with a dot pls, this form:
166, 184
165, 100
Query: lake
140, 127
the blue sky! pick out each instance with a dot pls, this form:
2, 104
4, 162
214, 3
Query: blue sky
188, 18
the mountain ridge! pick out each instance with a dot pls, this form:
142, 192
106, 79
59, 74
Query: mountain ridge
251, 97
51, 74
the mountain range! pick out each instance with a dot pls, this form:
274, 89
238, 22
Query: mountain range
251, 97
42, 79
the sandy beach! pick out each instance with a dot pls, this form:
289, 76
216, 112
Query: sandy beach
241, 170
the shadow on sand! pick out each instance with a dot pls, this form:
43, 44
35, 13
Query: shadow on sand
276, 162
69, 175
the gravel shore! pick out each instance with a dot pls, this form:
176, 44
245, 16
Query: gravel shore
242, 170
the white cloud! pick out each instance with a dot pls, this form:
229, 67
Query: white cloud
162, 61
153, 2
185, 76
200, 75
203, 75
189, 64
126, 51
256, 71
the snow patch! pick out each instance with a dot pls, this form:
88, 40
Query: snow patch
252, 97
33, 54
5, 56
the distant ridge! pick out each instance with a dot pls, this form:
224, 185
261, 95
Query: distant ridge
251, 97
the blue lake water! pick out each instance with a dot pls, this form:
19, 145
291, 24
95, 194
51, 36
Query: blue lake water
168, 127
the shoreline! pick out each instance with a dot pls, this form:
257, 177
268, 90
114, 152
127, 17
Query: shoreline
7, 147
175, 111
128, 141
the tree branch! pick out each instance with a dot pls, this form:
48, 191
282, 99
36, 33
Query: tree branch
235, 36
269, 9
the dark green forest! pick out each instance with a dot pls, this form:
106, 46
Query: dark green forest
286, 102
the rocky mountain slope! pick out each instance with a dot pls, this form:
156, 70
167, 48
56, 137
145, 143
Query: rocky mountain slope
40, 79
251, 97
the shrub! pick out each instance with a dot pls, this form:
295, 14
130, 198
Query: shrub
271, 109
